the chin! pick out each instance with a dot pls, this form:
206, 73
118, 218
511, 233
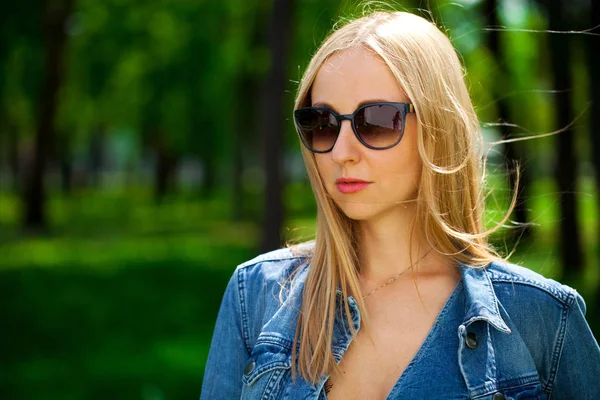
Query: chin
357, 211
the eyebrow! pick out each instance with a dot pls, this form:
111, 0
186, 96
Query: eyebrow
362, 103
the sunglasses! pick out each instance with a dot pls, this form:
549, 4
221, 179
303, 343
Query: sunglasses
378, 126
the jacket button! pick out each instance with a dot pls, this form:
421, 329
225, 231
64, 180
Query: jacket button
499, 396
249, 368
471, 340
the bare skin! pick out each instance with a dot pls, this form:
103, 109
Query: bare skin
385, 215
399, 324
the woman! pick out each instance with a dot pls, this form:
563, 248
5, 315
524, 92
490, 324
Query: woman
400, 296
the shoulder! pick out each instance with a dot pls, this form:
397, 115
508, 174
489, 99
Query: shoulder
267, 282
302, 250
549, 318
513, 280
277, 265
531, 298
263, 280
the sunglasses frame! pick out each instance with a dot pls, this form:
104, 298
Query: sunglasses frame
403, 108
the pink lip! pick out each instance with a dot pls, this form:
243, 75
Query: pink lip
351, 185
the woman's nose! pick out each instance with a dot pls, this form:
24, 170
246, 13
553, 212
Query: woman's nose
347, 146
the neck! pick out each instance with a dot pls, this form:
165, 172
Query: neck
391, 244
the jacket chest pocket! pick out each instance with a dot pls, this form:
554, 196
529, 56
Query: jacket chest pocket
267, 373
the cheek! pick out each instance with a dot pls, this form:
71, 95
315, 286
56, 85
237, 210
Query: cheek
403, 168
417, 173
409, 161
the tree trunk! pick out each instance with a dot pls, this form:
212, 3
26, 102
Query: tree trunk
163, 172
512, 151
55, 15
96, 155
245, 126
13, 157
210, 166
593, 44
247, 123
66, 172
278, 37
238, 145
566, 166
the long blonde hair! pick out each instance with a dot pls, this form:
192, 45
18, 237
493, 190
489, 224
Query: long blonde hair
450, 198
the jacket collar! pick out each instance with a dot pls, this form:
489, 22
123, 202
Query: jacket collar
481, 303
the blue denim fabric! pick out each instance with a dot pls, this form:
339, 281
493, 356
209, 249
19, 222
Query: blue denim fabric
532, 339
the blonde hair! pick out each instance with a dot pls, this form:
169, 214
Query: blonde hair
450, 199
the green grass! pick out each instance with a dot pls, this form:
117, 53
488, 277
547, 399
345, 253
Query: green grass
118, 300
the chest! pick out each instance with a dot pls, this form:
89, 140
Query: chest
438, 365
377, 358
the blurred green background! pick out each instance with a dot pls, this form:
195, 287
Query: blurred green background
142, 142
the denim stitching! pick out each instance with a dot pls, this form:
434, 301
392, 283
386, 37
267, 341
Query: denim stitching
274, 379
243, 309
274, 340
558, 348
562, 295
492, 353
490, 288
260, 371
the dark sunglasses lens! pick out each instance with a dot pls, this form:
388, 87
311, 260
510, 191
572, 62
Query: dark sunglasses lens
319, 128
380, 126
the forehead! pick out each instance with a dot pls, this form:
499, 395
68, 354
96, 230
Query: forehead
350, 77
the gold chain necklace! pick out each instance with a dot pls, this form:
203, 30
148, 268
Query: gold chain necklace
395, 277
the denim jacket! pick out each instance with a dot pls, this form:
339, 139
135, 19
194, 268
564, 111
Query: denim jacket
505, 332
